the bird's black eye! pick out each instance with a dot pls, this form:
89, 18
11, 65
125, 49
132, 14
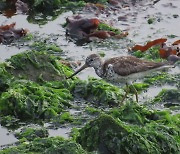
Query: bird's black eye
91, 60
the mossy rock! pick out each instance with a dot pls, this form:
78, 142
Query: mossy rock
168, 97
133, 113
29, 100
50, 145
163, 78
93, 135
37, 66
9, 122
119, 134
32, 133
98, 91
65, 117
5, 77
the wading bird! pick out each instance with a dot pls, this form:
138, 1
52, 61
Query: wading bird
121, 69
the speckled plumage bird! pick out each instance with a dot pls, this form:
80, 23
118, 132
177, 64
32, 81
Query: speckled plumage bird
120, 69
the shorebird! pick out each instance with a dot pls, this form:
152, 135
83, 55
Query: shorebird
121, 69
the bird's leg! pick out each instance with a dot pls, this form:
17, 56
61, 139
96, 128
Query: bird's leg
136, 93
127, 92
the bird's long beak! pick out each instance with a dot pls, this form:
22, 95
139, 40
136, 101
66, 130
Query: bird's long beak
79, 70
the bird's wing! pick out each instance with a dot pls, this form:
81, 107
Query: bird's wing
127, 65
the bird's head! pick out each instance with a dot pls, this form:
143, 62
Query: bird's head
92, 60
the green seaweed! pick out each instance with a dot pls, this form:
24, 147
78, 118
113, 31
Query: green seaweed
132, 129
9, 122
43, 11
98, 91
139, 87
65, 117
47, 145
74, 133
103, 26
44, 95
168, 96
133, 113
5, 77
28, 37
151, 20
151, 54
43, 16
162, 78
33, 65
29, 100
92, 110
32, 133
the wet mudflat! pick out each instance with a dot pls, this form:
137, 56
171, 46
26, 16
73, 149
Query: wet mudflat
44, 100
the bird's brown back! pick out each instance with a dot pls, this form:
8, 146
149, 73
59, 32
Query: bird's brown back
127, 65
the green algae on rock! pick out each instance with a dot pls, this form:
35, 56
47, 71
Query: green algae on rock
47, 145
5, 77
9, 122
35, 65
64, 118
163, 78
32, 133
98, 91
43, 11
168, 97
26, 99
133, 113
92, 110
121, 133
29, 100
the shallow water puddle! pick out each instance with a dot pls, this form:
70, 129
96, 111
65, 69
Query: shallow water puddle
153, 91
64, 132
6, 137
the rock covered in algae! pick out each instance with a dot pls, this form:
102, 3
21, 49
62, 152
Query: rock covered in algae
134, 114
98, 91
5, 78
110, 134
168, 95
50, 145
36, 66
24, 98
169, 98
31, 133
163, 78
29, 100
